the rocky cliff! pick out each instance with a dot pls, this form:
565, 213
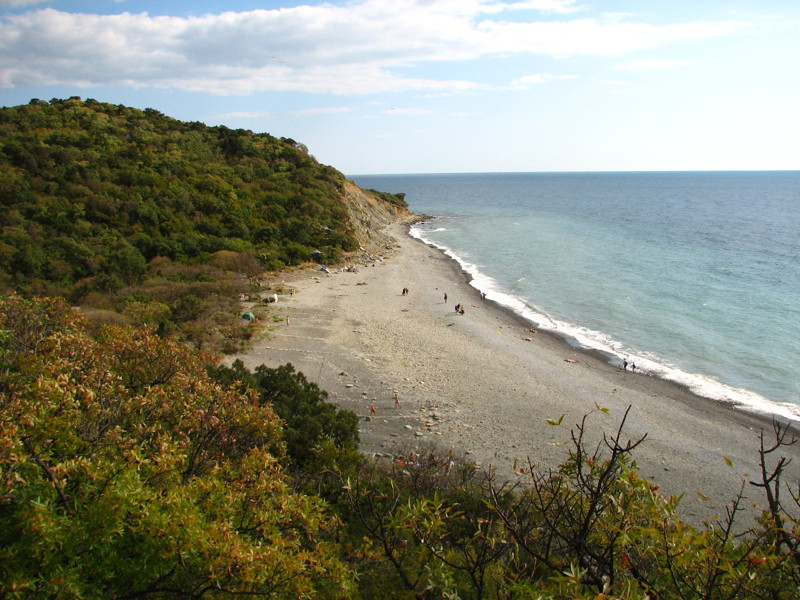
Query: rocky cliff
370, 215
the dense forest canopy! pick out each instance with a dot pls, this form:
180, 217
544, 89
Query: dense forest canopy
92, 192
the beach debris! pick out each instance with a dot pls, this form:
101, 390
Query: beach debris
570, 360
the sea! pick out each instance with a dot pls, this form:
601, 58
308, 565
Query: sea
692, 276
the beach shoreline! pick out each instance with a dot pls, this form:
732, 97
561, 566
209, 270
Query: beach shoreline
484, 386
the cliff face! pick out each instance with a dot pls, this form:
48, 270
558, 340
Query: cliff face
370, 215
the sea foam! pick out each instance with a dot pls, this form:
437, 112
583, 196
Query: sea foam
646, 363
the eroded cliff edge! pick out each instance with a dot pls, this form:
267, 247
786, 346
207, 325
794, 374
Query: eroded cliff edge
370, 215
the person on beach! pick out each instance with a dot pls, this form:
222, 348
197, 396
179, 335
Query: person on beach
633, 367
445, 296
624, 364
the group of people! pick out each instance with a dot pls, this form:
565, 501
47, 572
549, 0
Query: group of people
625, 365
460, 308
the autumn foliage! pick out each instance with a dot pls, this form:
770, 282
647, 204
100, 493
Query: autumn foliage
126, 472
133, 467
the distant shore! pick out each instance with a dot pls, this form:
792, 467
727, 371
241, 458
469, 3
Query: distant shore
483, 385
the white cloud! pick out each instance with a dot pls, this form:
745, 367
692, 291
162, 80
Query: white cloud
598, 38
546, 6
364, 47
616, 16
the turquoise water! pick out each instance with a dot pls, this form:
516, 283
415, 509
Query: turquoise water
695, 277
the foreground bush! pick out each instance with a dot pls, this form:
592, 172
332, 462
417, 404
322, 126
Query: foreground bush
433, 527
126, 472
318, 435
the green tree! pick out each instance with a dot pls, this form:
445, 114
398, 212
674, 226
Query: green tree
317, 433
124, 261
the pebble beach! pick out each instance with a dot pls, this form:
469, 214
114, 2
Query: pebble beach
485, 386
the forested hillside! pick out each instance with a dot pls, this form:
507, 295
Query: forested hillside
99, 199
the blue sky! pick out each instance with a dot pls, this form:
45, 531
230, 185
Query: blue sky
417, 86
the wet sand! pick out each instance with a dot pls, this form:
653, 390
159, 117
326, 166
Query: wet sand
483, 385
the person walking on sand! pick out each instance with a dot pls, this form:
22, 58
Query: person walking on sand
633, 367
624, 364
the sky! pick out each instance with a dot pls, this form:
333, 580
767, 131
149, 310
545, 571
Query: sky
438, 86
